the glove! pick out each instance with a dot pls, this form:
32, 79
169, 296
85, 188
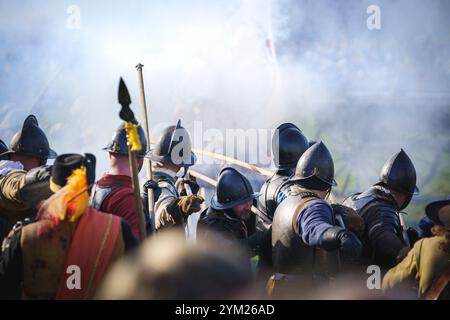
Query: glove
402, 254
352, 220
189, 204
38, 174
191, 181
413, 235
346, 241
36, 187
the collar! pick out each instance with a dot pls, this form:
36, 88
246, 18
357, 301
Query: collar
112, 179
170, 173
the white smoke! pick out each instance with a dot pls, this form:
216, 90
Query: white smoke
236, 64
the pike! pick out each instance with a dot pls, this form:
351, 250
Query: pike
188, 189
148, 163
227, 159
127, 115
404, 228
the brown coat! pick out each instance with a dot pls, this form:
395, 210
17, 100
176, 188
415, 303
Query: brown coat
423, 264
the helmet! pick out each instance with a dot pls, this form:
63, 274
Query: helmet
316, 162
3, 149
30, 140
232, 189
288, 144
399, 174
173, 147
118, 143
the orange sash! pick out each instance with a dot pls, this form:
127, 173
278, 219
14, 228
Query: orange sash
90, 249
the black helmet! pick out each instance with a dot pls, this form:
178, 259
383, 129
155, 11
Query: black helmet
288, 145
316, 162
173, 147
31, 140
399, 174
3, 149
232, 189
65, 164
311, 143
119, 145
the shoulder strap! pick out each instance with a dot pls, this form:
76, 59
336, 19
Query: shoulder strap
99, 195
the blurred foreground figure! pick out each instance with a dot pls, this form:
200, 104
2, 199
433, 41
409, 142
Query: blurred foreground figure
171, 153
168, 267
66, 252
288, 145
428, 263
24, 177
308, 241
385, 242
113, 193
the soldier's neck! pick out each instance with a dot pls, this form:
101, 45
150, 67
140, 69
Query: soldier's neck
123, 170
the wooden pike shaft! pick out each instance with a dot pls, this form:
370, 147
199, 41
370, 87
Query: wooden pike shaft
227, 159
137, 194
148, 163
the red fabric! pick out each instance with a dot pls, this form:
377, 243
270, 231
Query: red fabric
121, 202
90, 249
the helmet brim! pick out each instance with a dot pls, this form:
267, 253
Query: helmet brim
167, 159
51, 154
295, 178
216, 205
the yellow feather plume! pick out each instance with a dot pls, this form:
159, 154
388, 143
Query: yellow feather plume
133, 136
71, 201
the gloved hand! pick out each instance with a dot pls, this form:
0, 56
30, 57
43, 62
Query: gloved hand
352, 220
191, 181
346, 241
38, 174
402, 254
413, 235
189, 204
36, 187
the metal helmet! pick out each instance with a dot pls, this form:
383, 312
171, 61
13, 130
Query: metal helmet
3, 149
118, 143
316, 162
30, 140
232, 190
399, 174
288, 145
173, 147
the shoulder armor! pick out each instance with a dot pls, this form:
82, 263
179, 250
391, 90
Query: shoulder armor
99, 194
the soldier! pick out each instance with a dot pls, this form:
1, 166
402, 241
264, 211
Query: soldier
427, 265
288, 144
23, 172
379, 206
171, 153
113, 193
69, 239
230, 208
306, 237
